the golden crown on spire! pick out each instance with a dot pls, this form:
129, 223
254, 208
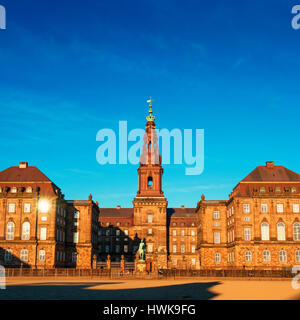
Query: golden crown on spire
150, 117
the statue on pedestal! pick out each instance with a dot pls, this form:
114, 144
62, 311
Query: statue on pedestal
142, 250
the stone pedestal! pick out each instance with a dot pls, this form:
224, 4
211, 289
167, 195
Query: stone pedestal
140, 266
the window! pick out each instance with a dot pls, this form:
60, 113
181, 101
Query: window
44, 218
216, 215
294, 190
217, 237
297, 255
282, 256
149, 218
117, 232
76, 214
280, 231
26, 207
117, 248
8, 255
24, 255
14, 190
278, 189
29, 190
262, 189
149, 231
107, 249
296, 231
150, 247
182, 232
126, 232
174, 248
11, 207
247, 234
174, 224
174, 232
43, 235
182, 249
193, 261
107, 232
192, 232
193, 248
126, 248
42, 255
295, 208
264, 208
246, 218
75, 237
279, 208
150, 182
174, 262
248, 256
26, 231
10, 231
265, 231
74, 256
266, 256
246, 208
217, 257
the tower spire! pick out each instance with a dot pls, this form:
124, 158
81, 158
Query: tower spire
150, 118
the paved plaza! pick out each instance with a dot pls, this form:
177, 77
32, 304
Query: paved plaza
181, 289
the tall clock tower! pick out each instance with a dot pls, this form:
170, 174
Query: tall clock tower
150, 205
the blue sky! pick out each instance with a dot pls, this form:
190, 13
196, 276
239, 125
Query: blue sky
228, 67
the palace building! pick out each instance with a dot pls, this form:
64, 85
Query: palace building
258, 227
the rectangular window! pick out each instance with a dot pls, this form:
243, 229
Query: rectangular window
149, 218
193, 261
174, 262
182, 249
247, 234
174, 248
76, 214
279, 208
174, 232
217, 237
216, 215
149, 231
150, 247
126, 232
42, 255
11, 207
246, 208
264, 208
117, 232
193, 248
182, 232
125, 248
75, 237
192, 232
295, 208
43, 235
117, 248
27, 207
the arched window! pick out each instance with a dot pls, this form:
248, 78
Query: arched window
26, 231
248, 256
24, 255
282, 256
10, 231
296, 231
217, 257
42, 255
265, 231
297, 256
266, 256
280, 231
150, 182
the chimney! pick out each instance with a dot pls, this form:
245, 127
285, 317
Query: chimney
118, 207
270, 164
23, 165
182, 207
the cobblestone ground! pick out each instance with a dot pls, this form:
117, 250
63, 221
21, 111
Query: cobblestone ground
91, 289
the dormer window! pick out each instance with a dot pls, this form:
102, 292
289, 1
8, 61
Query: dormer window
293, 189
278, 189
262, 189
270, 189
150, 182
29, 189
13, 190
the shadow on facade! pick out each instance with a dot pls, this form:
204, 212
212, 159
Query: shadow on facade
113, 243
93, 290
14, 261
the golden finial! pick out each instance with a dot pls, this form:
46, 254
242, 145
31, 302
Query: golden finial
150, 117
